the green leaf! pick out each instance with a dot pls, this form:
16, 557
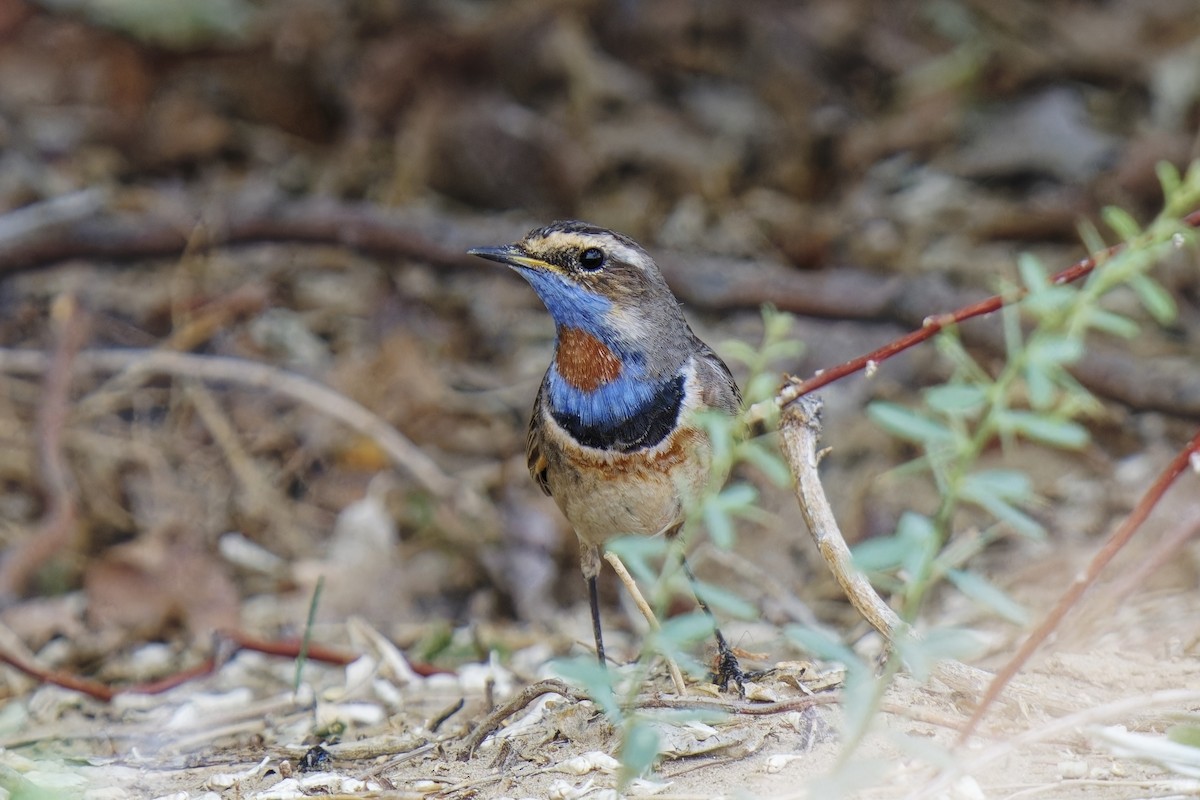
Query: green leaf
988, 595
881, 554
1033, 274
939, 644
1055, 350
720, 429
1041, 385
639, 750
1010, 484
636, 551
1157, 300
956, 399
737, 496
777, 324
762, 386
1048, 302
1007, 513
767, 460
786, 350
1185, 734
719, 524
824, 647
1110, 322
686, 629
594, 679
1168, 179
1093, 242
1122, 223
920, 537
724, 600
737, 350
1046, 429
905, 423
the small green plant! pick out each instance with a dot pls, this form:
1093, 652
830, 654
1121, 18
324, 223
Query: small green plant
657, 563
1031, 399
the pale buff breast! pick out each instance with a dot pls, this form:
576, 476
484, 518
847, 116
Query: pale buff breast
605, 495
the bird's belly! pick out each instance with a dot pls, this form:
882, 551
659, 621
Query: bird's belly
605, 495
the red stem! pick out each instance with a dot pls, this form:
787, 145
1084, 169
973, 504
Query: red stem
1119, 538
934, 324
288, 648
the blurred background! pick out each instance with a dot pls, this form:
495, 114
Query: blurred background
861, 163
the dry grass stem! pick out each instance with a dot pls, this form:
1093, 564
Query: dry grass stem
141, 363
647, 612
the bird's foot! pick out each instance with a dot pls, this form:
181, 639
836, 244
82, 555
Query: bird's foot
728, 669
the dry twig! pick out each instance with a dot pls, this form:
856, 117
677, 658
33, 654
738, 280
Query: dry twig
638, 600
800, 431
523, 698
800, 428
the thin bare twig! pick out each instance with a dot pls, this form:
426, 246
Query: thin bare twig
638, 600
800, 429
1115, 543
933, 325
743, 707
523, 698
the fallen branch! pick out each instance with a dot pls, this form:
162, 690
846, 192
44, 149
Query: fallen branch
705, 282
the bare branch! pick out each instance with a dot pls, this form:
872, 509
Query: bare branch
800, 429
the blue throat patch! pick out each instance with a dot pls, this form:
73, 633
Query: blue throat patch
571, 306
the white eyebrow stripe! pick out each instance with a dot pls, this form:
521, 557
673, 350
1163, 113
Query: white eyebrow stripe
611, 245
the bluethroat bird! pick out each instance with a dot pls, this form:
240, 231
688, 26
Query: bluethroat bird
613, 436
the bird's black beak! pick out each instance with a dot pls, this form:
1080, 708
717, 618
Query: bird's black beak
509, 254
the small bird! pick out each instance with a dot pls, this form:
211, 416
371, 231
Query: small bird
613, 437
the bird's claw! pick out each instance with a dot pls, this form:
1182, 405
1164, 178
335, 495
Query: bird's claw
728, 669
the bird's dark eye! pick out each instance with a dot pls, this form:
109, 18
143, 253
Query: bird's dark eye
591, 259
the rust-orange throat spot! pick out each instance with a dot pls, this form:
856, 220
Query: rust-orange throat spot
584, 361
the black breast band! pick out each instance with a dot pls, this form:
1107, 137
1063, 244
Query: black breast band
644, 428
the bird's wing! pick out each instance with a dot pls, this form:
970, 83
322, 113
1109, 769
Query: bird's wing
534, 457
719, 388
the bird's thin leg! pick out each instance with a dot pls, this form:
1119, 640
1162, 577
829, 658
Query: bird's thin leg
589, 562
594, 599
728, 669
647, 612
